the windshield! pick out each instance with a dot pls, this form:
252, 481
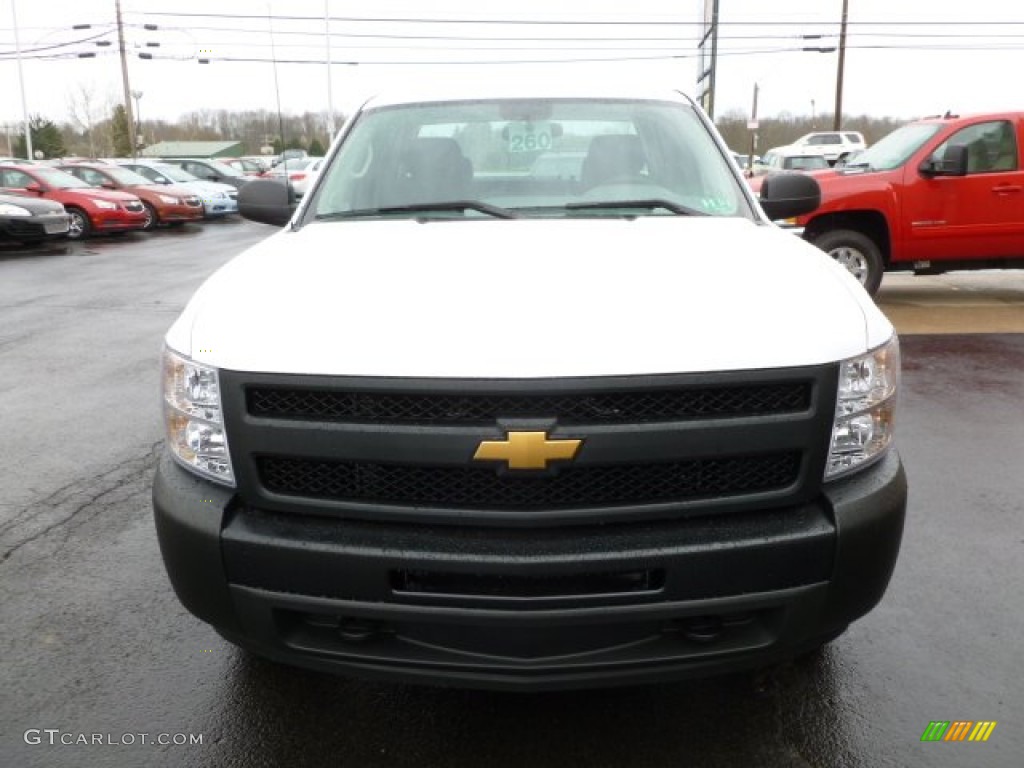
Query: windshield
58, 179
562, 157
896, 148
806, 162
126, 177
174, 173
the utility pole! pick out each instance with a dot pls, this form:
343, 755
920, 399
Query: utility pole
124, 80
838, 118
21, 82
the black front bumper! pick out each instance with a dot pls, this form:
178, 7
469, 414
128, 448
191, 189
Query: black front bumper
30, 229
531, 609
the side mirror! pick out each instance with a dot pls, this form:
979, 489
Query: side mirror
268, 201
108, 185
35, 186
784, 195
953, 163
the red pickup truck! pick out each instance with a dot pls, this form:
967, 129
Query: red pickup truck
938, 194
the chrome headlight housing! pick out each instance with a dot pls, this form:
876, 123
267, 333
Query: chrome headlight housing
193, 418
865, 410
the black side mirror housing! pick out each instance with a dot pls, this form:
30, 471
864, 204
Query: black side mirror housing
268, 201
784, 195
953, 163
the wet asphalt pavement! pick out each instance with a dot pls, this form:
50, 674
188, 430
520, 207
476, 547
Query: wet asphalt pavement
95, 643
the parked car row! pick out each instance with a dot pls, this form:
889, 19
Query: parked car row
107, 196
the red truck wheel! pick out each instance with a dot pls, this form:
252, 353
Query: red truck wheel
857, 252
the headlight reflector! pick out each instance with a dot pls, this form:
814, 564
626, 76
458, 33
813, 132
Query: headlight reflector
106, 205
170, 200
865, 409
9, 209
193, 418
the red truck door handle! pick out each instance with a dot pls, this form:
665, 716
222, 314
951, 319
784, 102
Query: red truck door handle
1007, 189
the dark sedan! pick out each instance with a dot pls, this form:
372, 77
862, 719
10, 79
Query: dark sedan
210, 170
24, 220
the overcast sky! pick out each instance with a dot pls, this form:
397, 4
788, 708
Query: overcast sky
905, 58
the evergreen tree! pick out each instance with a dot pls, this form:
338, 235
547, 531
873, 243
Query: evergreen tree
46, 138
316, 149
120, 132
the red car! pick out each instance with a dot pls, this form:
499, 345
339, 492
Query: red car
91, 210
164, 203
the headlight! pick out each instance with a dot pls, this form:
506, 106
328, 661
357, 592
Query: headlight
865, 409
8, 209
106, 205
193, 418
170, 200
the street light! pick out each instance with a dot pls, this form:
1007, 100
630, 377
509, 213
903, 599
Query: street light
21, 82
330, 94
138, 117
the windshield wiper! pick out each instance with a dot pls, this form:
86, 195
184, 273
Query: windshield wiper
647, 204
452, 205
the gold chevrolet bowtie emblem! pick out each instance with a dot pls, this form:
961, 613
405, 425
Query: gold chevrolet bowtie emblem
527, 450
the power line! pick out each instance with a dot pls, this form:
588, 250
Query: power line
578, 22
56, 45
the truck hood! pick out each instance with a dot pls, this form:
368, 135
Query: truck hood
528, 298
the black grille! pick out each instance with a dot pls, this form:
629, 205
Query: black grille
602, 407
16, 227
486, 489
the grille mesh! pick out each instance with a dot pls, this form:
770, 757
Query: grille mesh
624, 407
486, 489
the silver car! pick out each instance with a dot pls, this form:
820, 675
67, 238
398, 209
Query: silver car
218, 199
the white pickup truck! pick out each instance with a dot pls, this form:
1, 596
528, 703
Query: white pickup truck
460, 423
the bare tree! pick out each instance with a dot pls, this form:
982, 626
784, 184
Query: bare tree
87, 108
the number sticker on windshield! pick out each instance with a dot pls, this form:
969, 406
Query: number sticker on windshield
529, 137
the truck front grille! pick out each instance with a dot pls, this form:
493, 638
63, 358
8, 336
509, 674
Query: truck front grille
485, 489
622, 407
383, 448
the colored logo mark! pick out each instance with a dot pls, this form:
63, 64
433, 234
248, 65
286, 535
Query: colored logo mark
958, 730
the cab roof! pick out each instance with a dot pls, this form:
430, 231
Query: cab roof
524, 89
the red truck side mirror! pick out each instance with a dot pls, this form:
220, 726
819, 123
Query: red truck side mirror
953, 163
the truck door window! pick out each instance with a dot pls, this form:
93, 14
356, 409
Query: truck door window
991, 146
